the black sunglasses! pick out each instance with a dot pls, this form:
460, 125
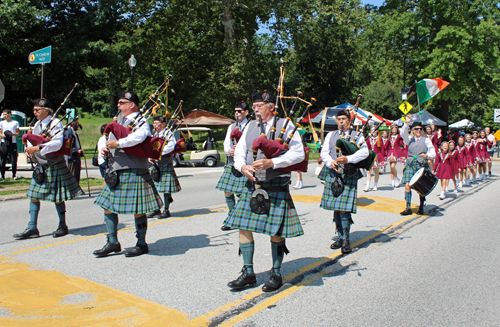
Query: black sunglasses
240, 111
417, 128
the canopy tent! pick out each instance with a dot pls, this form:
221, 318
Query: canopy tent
426, 118
360, 117
462, 124
313, 115
202, 118
364, 114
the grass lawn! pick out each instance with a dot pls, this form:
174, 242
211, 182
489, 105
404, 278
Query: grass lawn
10, 186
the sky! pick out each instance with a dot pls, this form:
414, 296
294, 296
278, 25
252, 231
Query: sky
377, 3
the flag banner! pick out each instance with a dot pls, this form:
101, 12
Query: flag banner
428, 88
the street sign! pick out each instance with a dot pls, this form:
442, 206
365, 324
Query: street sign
41, 56
72, 113
496, 117
2, 91
405, 107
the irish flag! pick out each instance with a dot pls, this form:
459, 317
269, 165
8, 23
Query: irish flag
428, 88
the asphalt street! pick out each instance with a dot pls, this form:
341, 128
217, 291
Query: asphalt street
437, 269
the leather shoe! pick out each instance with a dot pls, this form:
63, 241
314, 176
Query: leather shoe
153, 214
28, 233
420, 211
60, 231
406, 212
165, 214
337, 244
346, 247
138, 250
224, 227
244, 280
273, 283
107, 249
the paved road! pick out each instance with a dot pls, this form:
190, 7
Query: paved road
438, 269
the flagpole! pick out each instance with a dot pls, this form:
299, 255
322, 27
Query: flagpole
418, 101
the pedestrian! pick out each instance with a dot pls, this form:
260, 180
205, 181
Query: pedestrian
471, 159
272, 186
134, 192
385, 140
168, 183
462, 161
9, 131
443, 169
477, 158
232, 181
454, 164
375, 144
52, 181
74, 161
395, 154
483, 157
494, 143
340, 165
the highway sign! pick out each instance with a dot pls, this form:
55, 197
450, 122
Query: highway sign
405, 107
496, 117
2, 91
42, 56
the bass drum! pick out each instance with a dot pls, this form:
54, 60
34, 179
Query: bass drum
423, 182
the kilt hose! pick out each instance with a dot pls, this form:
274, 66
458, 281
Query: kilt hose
135, 194
168, 183
412, 168
282, 219
345, 201
59, 185
230, 183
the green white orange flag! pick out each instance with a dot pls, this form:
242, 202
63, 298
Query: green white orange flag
428, 88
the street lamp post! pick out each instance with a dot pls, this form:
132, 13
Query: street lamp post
132, 62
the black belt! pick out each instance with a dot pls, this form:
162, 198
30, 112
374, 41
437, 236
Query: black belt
278, 188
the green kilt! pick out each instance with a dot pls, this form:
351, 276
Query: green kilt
168, 183
345, 201
59, 185
323, 173
230, 183
282, 219
134, 194
412, 168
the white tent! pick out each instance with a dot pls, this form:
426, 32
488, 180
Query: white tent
462, 123
425, 118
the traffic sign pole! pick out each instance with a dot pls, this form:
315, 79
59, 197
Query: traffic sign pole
42, 91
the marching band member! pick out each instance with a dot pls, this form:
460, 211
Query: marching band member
345, 204
477, 159
420, 150
462, 161
482, 153
168, 183
394, 154
281, 221
375, 144
454, 164
228, 182
135, 192
443, 168
58, 183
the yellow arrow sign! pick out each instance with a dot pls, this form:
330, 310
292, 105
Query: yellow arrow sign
405, 107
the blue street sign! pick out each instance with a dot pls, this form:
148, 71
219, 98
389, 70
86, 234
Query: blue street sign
41, 56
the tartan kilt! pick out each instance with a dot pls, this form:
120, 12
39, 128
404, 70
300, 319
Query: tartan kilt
347, 201
230, 183
323, 173
168, 183
135, 194
282, 219
59, 185
412, 168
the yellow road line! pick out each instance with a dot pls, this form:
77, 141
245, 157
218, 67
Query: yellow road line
121, 230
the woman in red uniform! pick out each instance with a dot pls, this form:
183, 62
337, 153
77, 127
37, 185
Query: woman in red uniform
482, 153
462, 161
393, 152
375, 144
442, 168
454, 163
471, 159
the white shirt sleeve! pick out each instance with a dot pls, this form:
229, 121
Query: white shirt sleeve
136, 137
240, 152
57, 140
227, 141
325, 151
170, 146
431, 152
404, 134
101, 144
361, 154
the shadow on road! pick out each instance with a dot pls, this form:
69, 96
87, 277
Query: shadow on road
179, 244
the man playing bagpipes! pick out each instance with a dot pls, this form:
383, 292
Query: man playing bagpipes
340, 167
232, 181
164, 176
129, 188
52, 181
268, 187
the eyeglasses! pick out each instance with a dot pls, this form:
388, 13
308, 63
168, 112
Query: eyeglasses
121, 103
238, 111
258, 106
418, 128
37, 109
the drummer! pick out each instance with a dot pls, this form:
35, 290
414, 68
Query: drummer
420, 150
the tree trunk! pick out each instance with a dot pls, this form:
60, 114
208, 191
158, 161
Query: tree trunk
445, 111
228, 23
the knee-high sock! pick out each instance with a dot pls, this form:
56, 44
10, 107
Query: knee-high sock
61, 212
247, 250
408, 200
278, 251
141, 226
338, 223
346, 219
168, 198
231, 202
34, 210
111, 220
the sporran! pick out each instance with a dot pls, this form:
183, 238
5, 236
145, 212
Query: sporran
260, 202
39, 174
155, 172
337, 186
111, 179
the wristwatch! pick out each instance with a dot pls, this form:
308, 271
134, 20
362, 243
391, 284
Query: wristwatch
40, 147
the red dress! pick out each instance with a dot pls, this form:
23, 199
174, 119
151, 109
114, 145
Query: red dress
462, 157
393, 149
482, 150
376, 144
442, 166
471, 154
386, 146
454, 162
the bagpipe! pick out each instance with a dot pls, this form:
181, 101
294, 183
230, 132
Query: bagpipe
46, 135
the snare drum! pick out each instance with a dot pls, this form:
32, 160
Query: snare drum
423, 182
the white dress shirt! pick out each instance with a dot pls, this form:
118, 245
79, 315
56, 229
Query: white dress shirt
138, 136
170, 146
101, 144
356, 157
56, 142
431, 152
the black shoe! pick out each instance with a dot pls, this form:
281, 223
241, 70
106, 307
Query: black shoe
138, 250
224, 227
60, 231
420, 210
406, 212
153, 214
107, 249
244, 280
346, 247
165, 214
337, 244
28, 233
273, 283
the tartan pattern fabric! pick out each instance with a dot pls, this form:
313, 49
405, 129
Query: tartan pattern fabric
412, 168
59, 185
323, 173
230, 183
282, 219
135, 194
345, 201
168, 183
